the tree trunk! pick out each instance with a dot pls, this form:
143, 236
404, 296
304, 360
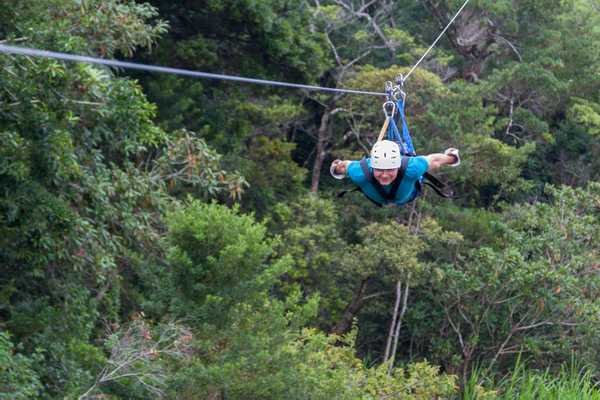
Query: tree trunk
398, 326
322, 139
388, 345
466, 365
344, 325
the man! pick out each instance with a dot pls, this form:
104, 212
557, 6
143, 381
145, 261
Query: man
387, 177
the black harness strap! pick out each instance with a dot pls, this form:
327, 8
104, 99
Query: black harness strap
395, 185
438, 186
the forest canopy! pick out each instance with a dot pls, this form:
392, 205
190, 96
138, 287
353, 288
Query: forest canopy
169, 237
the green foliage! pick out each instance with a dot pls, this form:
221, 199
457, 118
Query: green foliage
259, 351
570, 382
538, 287
586, 113
76, 212
527, 92
274, 175
94, 26
477, 226
94, 235
17, 377
14, 156
310, 236
262, 359
388, 251
218, 258
494, 165
189, 165
278, 38
248, 38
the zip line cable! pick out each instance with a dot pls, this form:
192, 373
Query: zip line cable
435, 41
167, 70
25, 51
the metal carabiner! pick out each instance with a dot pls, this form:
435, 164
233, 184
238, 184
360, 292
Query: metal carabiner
400, 80
389, 89
397, 92
399, 88
389, 104
389, 86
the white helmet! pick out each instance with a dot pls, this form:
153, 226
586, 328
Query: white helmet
385, 155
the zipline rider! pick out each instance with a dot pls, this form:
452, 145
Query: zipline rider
389, 178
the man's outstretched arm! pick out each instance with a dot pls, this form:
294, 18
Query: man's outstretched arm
437, 160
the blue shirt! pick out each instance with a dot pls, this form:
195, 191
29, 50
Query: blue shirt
417, 166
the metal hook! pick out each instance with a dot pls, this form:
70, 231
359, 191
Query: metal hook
400, 80
389, 89
389, 86
392, 105
397, 92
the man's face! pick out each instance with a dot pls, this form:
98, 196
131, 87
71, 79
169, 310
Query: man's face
385, 176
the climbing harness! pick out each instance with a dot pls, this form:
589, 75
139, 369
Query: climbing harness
395, 185
397, 116
394, 111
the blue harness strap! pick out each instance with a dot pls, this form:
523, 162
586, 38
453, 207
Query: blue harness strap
407, 149
404, 140
405, 133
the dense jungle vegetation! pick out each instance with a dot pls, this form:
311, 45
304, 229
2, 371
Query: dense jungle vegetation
169, 237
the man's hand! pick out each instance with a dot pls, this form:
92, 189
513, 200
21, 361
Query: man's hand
454, 153
450, 157
338, 169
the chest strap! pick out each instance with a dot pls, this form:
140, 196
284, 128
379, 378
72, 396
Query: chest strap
395, 184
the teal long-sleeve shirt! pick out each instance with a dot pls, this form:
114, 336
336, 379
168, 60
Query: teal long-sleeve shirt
416, 168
